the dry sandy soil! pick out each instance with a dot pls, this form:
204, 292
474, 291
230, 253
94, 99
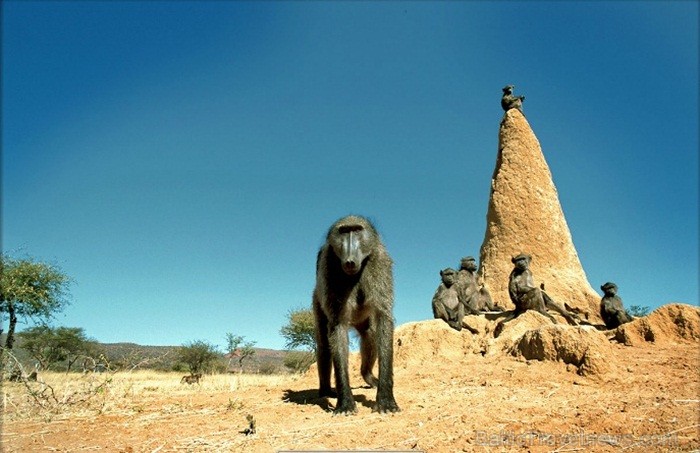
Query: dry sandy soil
459, 391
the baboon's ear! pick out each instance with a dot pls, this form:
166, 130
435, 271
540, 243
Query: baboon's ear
440, 273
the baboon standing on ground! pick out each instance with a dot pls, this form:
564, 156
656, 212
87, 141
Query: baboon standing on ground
526, 296
611, 309
474, 299
354, 287
446, 304
191, 379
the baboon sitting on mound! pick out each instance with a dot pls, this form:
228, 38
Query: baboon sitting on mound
611, 309
354, 287
526, 296
446, 304
474, 299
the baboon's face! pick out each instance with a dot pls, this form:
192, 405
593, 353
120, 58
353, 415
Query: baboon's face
609, 290
522, 263
352, 244
469, 265
448, 277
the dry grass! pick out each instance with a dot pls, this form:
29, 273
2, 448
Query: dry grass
60, 394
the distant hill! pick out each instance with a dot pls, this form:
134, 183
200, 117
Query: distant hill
131, 355
127, 356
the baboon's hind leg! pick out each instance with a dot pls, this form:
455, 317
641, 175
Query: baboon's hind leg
368, 353
559, 308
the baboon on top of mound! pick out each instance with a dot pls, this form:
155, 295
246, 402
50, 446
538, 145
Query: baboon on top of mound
611, 308
354, 287
509, 101
446, 304
475, 299
526, 296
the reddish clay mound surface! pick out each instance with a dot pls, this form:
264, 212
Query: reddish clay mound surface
535, 387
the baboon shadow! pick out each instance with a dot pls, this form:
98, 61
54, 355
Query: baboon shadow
362, 399
306, 397
310, 397
585, 322
502, 319
600, 327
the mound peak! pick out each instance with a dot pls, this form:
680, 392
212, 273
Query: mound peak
524, 215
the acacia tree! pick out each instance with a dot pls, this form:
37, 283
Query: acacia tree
238, 350
50, 345
198, 355
299, 333
30, 290
638, 311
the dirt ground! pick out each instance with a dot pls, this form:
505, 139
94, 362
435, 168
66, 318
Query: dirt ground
458, 391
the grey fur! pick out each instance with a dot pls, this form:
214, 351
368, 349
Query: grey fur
510, 101
354, 287
611, 308
446, 305
475, 299
526, 296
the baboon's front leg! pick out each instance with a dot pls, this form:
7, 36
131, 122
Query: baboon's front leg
338, 335
323, 352
385, 351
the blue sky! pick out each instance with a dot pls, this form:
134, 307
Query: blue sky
182, 161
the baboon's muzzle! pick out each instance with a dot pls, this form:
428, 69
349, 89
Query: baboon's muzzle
351, 255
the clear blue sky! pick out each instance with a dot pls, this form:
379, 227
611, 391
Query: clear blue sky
182, 161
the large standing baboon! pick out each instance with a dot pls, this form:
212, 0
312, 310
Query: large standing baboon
354, 287
446, 304
526, 296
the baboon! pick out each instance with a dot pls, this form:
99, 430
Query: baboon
354, 287
526, 296
485, 303
475, 299
508, 101
191, 379
18, 375
611, 309
466, 285
446, 304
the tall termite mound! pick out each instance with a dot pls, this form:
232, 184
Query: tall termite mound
524, 215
